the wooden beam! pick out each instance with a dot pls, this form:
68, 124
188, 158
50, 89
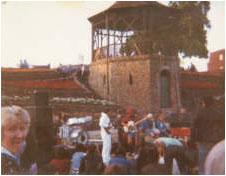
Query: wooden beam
114, 43
92, 43
101, 42
129, 24
107, 27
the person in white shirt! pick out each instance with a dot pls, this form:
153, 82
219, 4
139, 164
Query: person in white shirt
105, 125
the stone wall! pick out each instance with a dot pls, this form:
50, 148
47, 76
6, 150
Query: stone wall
129, 81
98, 78
157, 65
134, 81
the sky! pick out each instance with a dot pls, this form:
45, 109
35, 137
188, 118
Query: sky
59, 32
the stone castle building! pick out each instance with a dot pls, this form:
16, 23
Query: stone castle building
127, 69
124, 70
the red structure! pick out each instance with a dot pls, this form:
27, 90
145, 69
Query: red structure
217, 61
181, 132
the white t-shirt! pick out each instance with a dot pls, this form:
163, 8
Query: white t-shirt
104, 122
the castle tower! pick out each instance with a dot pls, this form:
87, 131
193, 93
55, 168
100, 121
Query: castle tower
124, 67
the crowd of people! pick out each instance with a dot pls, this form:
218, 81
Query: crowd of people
145, 146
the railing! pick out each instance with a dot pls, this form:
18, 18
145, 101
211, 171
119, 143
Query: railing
125, 49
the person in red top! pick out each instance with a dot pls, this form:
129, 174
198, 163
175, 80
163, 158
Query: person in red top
130, 136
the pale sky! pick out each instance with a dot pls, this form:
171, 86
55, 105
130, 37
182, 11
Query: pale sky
59, 32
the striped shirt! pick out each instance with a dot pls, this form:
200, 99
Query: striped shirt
64, 131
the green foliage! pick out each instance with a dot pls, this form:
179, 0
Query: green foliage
193, 24
184, 32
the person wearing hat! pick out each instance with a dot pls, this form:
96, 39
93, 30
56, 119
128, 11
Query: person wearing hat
147, 127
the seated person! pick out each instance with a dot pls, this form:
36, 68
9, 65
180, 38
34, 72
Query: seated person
149, 126
160, 124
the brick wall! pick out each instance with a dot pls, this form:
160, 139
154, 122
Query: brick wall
217, 61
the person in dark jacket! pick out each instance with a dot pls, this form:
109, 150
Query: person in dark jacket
92, 163
208, 129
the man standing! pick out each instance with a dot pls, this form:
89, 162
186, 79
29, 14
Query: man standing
208, 129
105, 126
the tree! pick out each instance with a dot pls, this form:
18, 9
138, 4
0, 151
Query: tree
194, 24
183, 33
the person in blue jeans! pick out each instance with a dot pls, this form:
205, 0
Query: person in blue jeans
130, 136
77, 159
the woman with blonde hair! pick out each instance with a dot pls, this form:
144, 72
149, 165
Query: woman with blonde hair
15, 124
